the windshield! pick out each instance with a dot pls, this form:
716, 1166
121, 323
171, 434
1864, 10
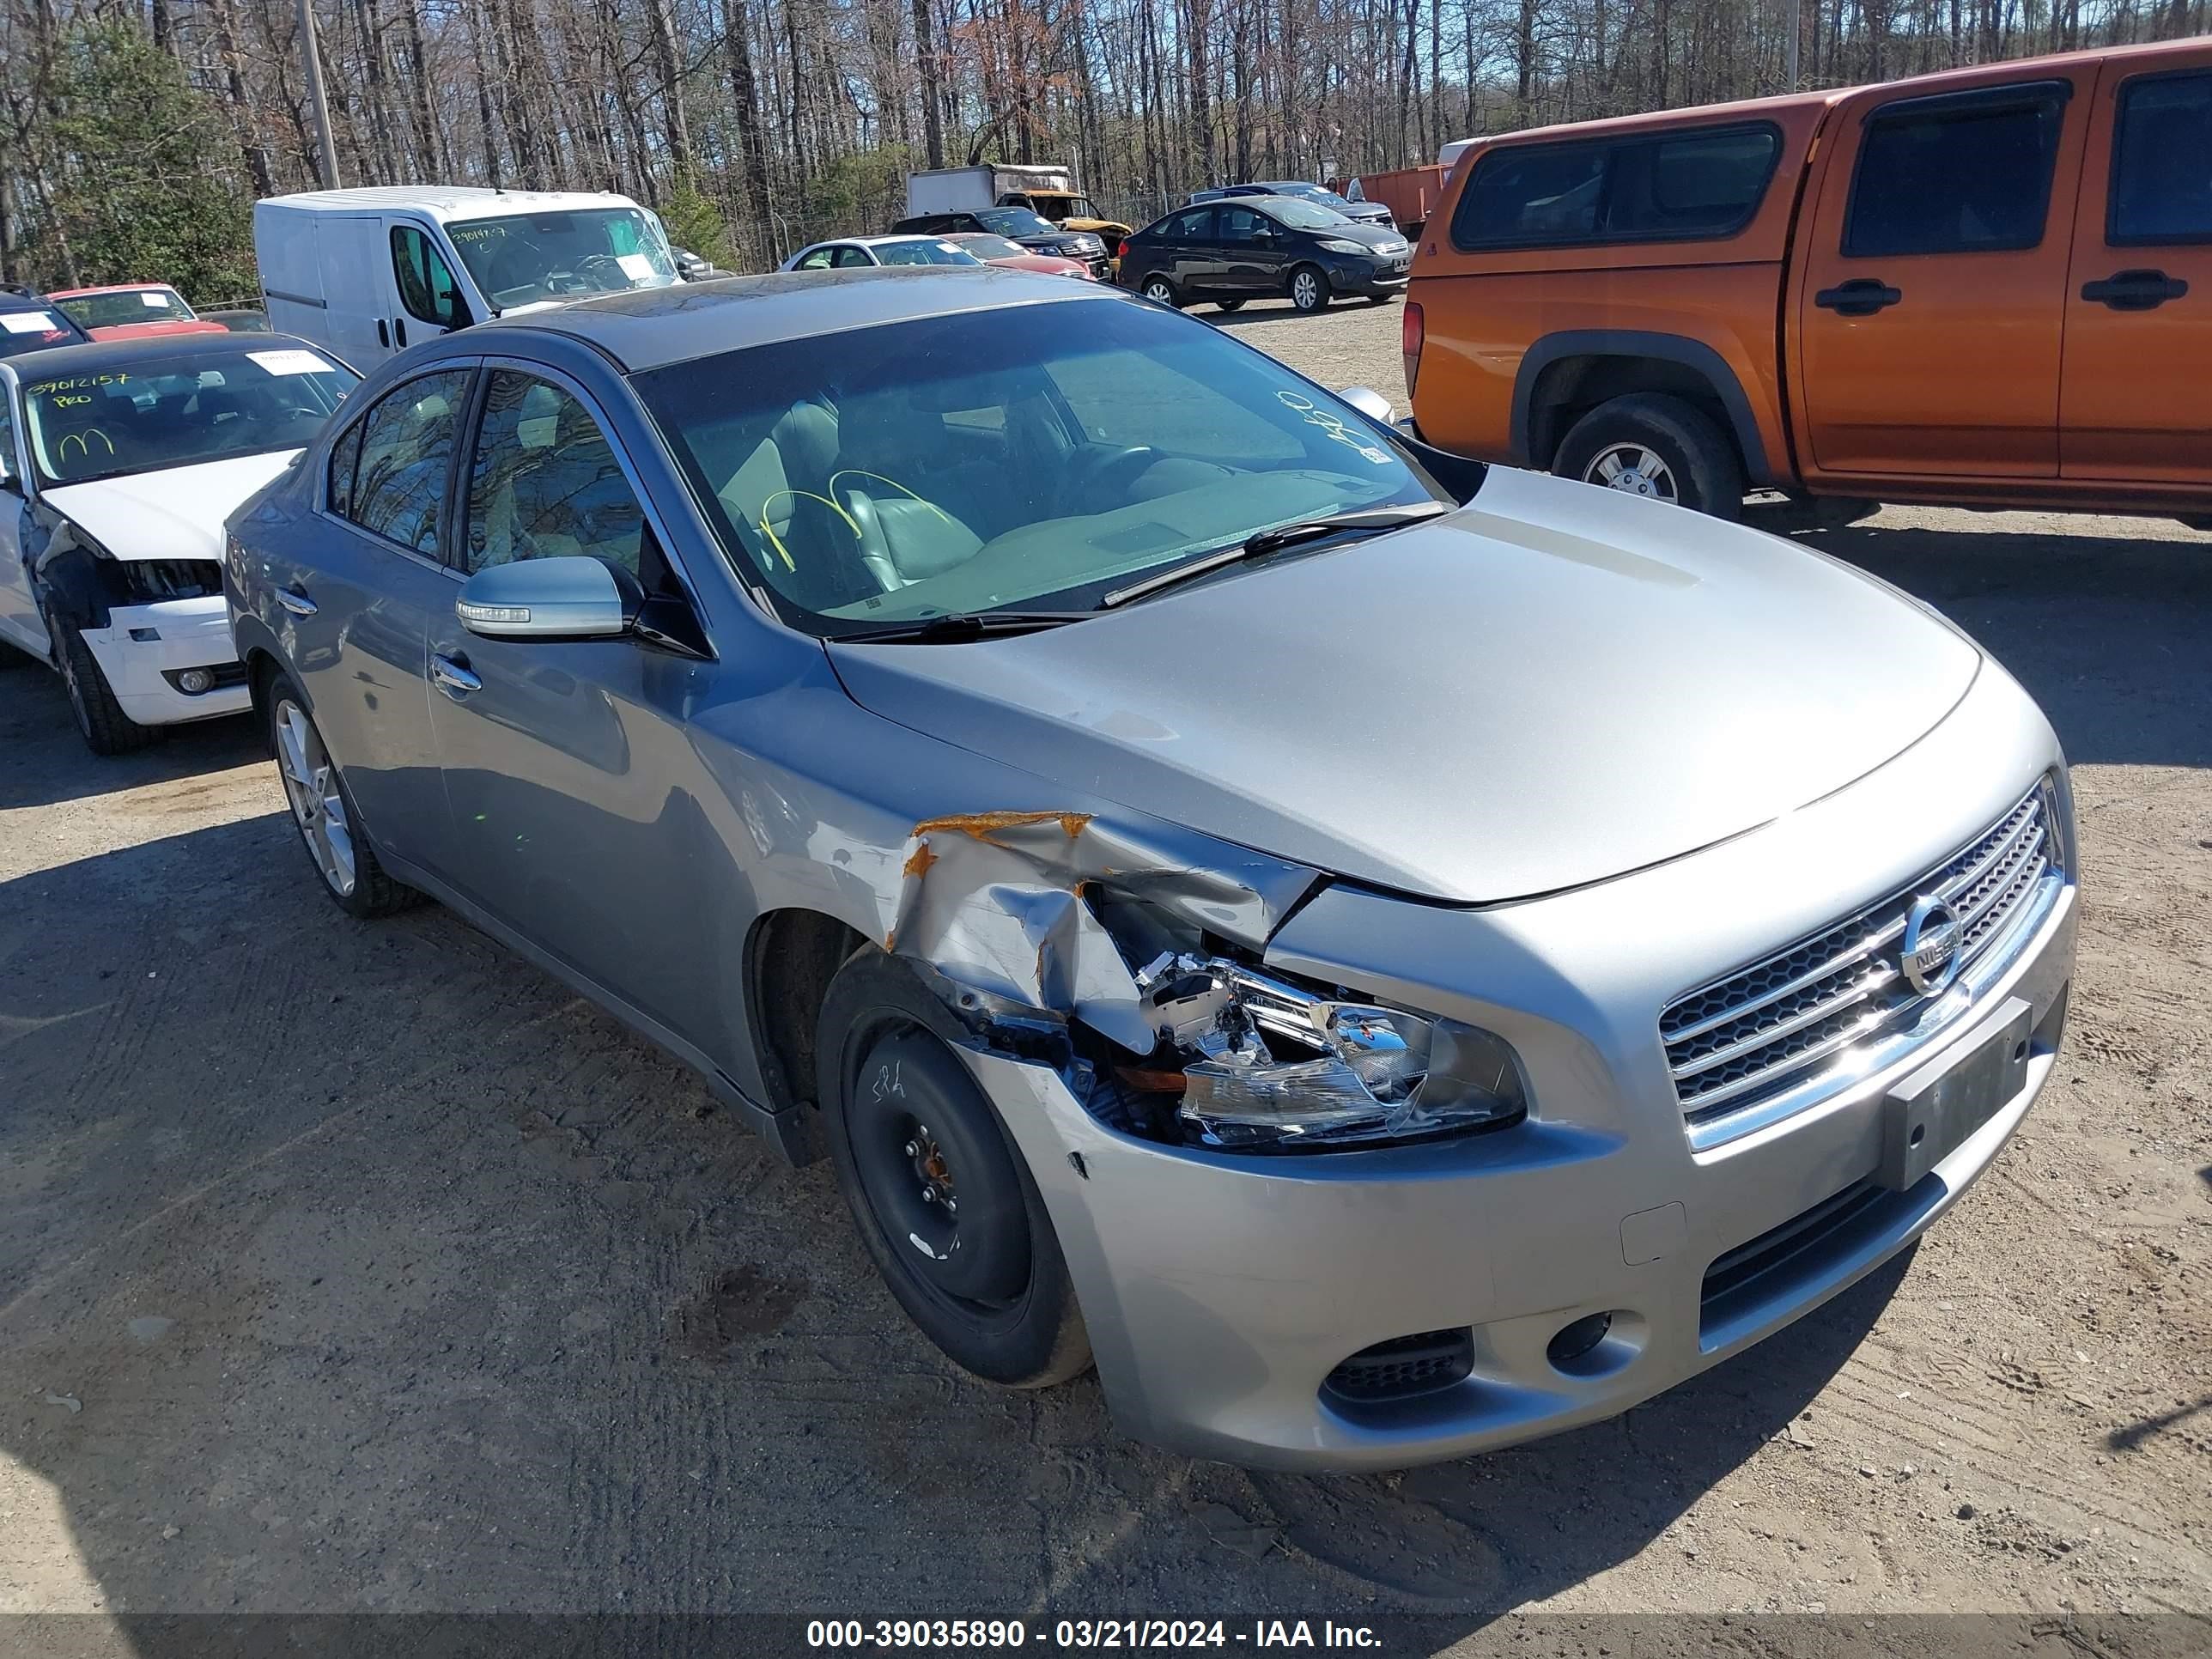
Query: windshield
992, 247
136, 305
962, 463
34, 330
1304, 216
1314, 193
1015, 221
177, 410
924, 253
564, 255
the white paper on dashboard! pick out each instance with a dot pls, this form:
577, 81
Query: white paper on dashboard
155, 302
636, 266
29, 322
289, 362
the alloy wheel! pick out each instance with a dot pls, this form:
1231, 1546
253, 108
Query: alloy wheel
1635, 469
1158, 292
1305, 290
311, 783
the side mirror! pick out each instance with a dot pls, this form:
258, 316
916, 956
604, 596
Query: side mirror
1369, 402
563, 599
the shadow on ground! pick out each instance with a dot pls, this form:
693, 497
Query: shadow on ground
2109, 632
40, 749
360, 1266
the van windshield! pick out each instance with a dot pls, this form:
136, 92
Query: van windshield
565, 255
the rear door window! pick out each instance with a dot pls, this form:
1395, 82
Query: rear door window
2162, 161
1959, 174
406, 446
1670, 186
1194, 225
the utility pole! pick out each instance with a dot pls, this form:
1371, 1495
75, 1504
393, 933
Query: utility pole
1789, 47
327, 155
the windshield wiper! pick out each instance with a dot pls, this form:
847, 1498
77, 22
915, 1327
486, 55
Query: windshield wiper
1373, 521
961, 625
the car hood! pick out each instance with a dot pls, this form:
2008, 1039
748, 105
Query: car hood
176, 512
1555, 684
1359, 230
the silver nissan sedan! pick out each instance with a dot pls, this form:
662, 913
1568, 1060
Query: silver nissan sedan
1383, 958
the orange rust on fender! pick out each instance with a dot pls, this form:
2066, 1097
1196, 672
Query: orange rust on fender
983, 825
920, 860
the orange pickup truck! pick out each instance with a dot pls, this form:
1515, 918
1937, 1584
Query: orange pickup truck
1991, 287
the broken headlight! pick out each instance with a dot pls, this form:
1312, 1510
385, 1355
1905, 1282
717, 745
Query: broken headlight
1268, 1064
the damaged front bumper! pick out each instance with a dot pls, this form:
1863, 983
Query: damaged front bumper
1588, 1256
144, 648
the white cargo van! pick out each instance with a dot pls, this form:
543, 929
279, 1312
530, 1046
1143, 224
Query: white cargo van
366, 273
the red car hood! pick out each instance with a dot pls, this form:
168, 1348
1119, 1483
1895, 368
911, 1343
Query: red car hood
139, 330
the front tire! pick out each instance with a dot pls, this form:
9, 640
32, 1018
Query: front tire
1659, 447
943, 1203
323, 813
100, 719
1310, 289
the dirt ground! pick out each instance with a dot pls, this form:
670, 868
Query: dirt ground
359, 1266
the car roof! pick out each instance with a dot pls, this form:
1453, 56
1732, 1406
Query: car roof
446, 202
107, 287
649, 328
100, 356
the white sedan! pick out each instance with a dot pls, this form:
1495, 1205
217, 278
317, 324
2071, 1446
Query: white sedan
119, 462
863, 252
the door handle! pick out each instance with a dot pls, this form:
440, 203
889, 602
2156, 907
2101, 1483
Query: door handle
383, 334
452, 676
2134, 290
295, 599
1862, 297
399, 332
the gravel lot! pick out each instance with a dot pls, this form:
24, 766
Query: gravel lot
351, 1267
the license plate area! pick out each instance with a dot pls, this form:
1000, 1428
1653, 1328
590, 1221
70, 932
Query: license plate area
1932, 1112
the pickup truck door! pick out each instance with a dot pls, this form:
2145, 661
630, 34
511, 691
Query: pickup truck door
1930, 294
2139, 299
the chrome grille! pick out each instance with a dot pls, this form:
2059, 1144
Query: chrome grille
1768, 1027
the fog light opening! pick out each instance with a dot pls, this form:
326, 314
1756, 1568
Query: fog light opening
1596, 1344
1405, 1367
192, 682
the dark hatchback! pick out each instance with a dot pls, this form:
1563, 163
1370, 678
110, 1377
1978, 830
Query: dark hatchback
1263, 247
1017, 224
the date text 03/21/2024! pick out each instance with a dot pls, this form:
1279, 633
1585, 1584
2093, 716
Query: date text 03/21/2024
1003, 1634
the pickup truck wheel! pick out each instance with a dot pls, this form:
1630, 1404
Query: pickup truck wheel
323, 811
943, 1203
1659, 447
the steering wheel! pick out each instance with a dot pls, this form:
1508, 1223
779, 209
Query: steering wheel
1113, 474
591, 266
